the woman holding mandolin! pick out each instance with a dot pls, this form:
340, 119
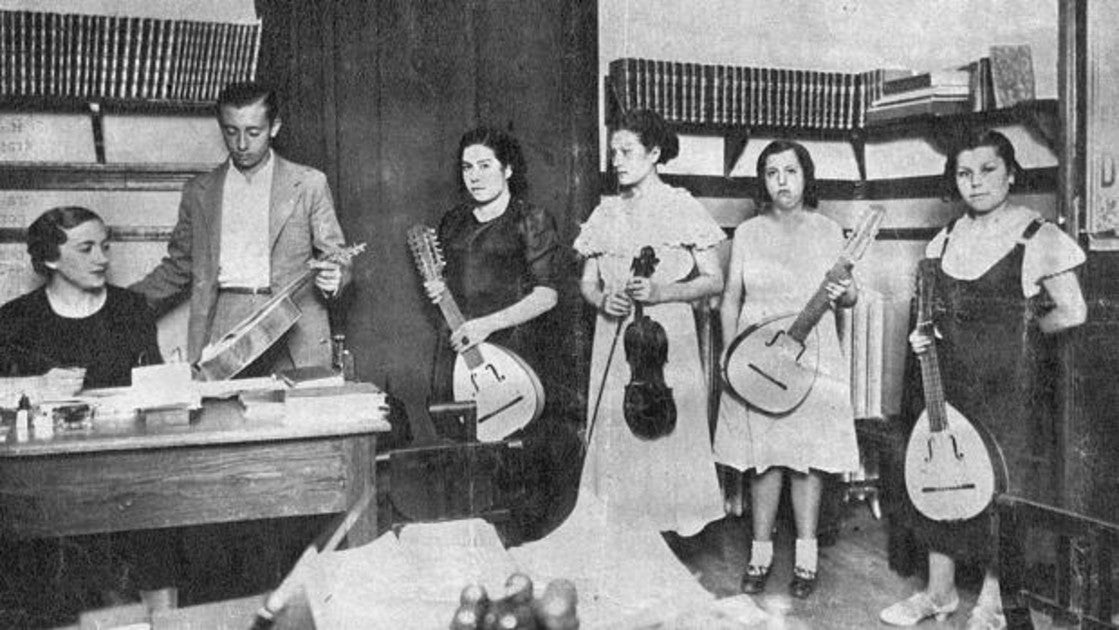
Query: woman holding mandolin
501, 257
778, 261
666, 483
1003, 282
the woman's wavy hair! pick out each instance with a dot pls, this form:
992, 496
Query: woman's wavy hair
761, 193
651, 129
47, 232
505, 148
973, 140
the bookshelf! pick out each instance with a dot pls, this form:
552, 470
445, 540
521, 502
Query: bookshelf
799, 105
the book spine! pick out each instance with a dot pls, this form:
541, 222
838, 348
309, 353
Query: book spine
108, 39
166, 52
229, 57
178, 76
674, 89
6, 67
137, 57
41, 50
255, 49
81, 52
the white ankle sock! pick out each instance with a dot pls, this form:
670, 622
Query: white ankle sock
761, 553
806, 554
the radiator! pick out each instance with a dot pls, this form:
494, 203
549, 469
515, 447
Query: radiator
873, 337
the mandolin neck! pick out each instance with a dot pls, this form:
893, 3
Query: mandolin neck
934, 389
819, 304
455, 319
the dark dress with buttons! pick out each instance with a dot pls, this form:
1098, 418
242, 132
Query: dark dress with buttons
492, 265
1000, 372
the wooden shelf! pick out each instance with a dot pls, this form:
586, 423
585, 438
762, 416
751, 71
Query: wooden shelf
94, 176
1042, 116
108, 105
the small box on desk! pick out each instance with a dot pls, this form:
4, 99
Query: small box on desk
351, 400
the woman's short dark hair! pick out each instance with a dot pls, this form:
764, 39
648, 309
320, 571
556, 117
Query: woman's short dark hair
811, 197
651, 129
245, 93
973, 140
47, 232
505, 148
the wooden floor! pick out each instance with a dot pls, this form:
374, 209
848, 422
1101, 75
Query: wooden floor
855, 582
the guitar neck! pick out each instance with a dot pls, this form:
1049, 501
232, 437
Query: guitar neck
819, 304
934, 389
454, 318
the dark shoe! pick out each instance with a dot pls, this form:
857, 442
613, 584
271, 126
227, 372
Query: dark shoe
753, 580
804, 582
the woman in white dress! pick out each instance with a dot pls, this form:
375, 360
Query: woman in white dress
668, 483
778, 261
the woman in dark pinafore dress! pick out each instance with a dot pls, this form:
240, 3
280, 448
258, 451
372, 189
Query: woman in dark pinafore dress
1004, 283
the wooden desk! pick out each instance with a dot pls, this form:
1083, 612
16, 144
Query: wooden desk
221, 468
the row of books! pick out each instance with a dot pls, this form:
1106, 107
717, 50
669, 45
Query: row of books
119, 57
693, 93
1001, 79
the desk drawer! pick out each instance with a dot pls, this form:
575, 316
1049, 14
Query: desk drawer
124, 490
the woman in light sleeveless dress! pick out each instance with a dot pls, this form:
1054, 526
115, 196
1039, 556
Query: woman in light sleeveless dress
778, 261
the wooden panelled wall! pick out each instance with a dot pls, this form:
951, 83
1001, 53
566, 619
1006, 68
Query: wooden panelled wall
377, 94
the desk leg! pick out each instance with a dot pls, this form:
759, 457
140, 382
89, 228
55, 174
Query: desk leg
360, 473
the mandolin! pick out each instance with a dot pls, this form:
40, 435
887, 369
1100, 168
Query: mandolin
772, 365
953, 468
508, 393
251, 337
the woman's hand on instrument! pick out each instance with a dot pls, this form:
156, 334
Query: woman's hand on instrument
469, 335
836, 288
643, 290
435, 289
616, 304
920, 340
329, 276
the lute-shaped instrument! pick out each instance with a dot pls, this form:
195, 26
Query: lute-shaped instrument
772, 365
508, 393
953, 468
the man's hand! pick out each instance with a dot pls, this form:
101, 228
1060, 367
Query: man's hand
329, 277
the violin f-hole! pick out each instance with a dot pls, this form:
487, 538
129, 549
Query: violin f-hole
773, 340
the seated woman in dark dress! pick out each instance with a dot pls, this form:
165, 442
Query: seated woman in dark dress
76, 319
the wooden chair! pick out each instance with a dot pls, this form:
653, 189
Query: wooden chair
1081, 589
451, 480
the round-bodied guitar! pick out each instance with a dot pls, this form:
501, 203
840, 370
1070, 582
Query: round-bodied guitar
506, 390
772, 365
953, 468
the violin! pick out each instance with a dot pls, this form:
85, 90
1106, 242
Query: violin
250, 338
648, 406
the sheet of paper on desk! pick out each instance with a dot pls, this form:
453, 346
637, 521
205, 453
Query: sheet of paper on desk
165, 386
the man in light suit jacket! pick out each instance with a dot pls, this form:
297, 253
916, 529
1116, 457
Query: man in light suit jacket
246, 230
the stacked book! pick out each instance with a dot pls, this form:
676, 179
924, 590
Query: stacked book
704, 94
120, 57
929, 93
